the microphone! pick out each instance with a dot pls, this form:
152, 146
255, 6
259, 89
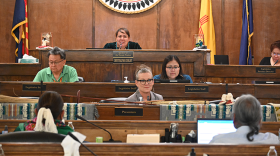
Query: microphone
76, 139
275, 62
121, 46
110, 140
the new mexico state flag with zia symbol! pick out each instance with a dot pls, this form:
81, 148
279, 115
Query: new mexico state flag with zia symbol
206, 27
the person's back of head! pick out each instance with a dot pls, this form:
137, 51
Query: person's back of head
247, 112
53, 101
48, 109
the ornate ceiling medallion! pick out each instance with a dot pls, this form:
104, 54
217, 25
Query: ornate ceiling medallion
130, 6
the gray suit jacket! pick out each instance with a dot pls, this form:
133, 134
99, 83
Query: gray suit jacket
135, 97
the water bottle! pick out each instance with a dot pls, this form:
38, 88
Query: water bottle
1, 151
272, 151
70, 124
5, 130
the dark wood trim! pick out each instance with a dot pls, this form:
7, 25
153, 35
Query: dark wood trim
236, 71
19, 69
124, 149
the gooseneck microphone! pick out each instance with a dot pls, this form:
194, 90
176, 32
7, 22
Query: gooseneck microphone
275, 62
110, 140
76, 139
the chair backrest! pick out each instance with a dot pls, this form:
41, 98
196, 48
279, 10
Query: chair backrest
81, 79
31, 136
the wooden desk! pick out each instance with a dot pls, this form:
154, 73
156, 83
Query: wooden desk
265, 93
18, 71
123, 149
107, 112
97, 65
238, 74
120, 128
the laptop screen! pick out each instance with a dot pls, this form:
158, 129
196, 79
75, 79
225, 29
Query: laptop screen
208, 128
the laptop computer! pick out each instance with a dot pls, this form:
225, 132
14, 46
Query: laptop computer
221, 59
171, 81
208, 128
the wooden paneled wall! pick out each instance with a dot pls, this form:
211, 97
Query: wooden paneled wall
169, 25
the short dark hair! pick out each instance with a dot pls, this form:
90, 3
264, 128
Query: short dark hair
53, 101
163, 70
123, 29
276, 44
57, 51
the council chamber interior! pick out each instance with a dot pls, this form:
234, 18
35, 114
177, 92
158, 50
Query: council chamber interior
161, 28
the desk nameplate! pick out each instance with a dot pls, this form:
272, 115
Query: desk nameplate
128, 111
125, 89
123, 57
196, 89
33, 87
265, 70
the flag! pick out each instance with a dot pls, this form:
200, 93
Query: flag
20, 28
245, 55
206, 27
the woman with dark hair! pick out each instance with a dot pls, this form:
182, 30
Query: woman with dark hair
122, 41
247, 118
49, 113
275, 55
172, 70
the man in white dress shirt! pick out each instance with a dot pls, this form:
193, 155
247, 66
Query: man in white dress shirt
247, 116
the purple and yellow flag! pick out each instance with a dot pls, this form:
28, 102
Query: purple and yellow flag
20, 29
245, 56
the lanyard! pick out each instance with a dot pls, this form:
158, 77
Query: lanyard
60, 80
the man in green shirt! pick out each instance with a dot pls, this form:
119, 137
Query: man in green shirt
57, 70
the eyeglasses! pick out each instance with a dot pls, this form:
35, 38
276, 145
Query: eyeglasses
55, 63
274, 54
149, 81
172, 68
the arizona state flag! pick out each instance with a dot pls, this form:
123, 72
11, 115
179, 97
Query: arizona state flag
206, 27
20, 28
245, 55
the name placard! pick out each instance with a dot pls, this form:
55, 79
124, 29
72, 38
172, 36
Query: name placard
125, 89
33, 87
123, 57
265, 70
128, 111
196, 89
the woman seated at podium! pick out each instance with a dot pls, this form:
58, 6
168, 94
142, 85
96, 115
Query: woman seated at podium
275, 55
122, 41
49, 114
144, 81
172, 70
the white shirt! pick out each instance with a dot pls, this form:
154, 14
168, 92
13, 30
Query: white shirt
240, 137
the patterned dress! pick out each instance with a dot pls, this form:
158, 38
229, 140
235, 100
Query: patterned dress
30, 125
